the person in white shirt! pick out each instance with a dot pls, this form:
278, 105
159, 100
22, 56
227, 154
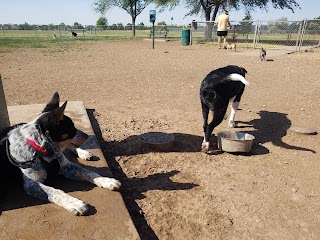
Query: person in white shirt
222, 28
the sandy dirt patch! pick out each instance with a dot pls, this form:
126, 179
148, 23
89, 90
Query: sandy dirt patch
129, 89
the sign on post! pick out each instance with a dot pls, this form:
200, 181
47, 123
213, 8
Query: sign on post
152, 14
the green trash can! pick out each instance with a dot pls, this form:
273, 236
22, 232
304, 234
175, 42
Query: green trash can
185, 37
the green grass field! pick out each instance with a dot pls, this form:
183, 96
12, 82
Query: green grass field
41, 39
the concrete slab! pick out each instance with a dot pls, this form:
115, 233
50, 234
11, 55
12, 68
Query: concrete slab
24, 217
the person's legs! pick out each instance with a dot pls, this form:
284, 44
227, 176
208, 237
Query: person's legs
225, 41
219, 41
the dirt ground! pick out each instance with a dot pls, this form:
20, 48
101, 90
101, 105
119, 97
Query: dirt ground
272, 193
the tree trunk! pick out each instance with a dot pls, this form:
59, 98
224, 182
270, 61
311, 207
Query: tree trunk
209, 26
133, 26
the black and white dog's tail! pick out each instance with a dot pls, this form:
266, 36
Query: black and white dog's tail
236, 77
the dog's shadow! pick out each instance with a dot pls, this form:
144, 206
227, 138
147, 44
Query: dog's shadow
271, 127
134, 188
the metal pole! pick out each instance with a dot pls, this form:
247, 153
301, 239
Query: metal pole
299, 36
302, 34
255, 35
152, 35
190, 40
4, 117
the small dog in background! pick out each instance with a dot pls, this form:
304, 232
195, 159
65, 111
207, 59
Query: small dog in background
32, 152
232, 46
74, 34
263, 54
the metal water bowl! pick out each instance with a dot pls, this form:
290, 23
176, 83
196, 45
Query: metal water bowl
230, 141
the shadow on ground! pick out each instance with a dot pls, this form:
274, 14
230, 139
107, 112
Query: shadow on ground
271, 127
134, 188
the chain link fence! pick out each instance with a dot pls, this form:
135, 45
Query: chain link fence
117, 31
287, 34
291, 35
246, 33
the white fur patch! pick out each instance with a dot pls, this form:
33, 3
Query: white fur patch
105, 182
237, 77
205, 146
234, 109
84, 154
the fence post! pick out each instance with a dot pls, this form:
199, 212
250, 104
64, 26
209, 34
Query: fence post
305, 22
4, 117
255, 35
299, 36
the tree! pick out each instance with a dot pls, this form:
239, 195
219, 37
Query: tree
102, 23
133, 7
162, 23
140, 26
77, 26
210, 8
26, 26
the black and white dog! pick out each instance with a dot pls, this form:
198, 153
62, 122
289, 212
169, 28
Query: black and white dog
217, 89
34, 151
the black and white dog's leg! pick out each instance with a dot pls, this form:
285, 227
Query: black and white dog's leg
39, 190
205, 113
73, 171
234, 108
217, 118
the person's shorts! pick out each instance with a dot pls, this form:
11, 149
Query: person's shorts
222, 33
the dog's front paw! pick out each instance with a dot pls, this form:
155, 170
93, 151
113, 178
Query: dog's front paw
84, 154
77, 207
109, 183
232, 124
205, 147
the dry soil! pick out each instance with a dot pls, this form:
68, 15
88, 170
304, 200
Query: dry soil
130, 88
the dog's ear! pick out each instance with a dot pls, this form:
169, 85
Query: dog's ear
59, 112
50, 120
244, 71
53, 104
56, 115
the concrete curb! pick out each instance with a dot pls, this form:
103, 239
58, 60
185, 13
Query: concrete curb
24, 217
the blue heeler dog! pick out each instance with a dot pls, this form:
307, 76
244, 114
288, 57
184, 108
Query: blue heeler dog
32, 150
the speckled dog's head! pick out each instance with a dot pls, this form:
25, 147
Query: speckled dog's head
60, 127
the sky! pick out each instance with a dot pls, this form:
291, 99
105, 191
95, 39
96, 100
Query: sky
81, 11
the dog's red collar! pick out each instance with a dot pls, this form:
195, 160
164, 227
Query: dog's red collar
37, 147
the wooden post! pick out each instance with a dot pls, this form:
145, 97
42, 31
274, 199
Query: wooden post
4, 117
